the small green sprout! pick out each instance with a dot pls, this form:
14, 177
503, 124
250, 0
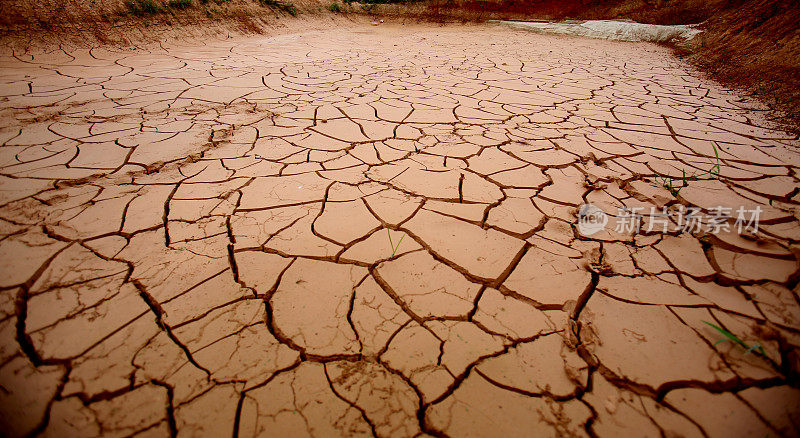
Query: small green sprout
669, 183
735, 339
394, 248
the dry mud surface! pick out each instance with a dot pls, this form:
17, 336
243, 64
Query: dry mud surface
196, 241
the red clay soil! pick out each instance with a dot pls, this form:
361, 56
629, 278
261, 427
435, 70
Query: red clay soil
378, 229
750, 45
755, 46
657, 12
76, 23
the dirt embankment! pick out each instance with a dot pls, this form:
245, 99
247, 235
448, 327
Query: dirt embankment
751, 45
26, 23
755, 46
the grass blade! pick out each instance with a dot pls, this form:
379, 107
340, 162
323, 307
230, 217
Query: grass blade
398, 244
730, 336
391, 243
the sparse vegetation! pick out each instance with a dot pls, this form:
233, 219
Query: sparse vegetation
142, 7
180, 4
394, 248
287, 7
755, 348
671, 183
334, 7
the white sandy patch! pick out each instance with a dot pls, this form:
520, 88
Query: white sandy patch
611, 30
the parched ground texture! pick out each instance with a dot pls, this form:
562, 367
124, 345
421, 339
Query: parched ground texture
373, 232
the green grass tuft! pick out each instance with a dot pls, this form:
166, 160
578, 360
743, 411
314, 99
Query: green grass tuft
334, 7
671, 183
142, 7
287, 7
179, 4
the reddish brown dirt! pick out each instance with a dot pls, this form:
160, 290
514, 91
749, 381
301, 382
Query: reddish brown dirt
27, 23
750, 45
755, 46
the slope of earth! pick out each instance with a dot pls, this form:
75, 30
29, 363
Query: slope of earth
755, 46
374, 232
42, 23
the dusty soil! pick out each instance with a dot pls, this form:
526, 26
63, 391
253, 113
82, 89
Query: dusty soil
755, 47
750, 45
374, 231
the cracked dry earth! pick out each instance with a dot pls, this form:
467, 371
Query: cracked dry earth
196, 241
